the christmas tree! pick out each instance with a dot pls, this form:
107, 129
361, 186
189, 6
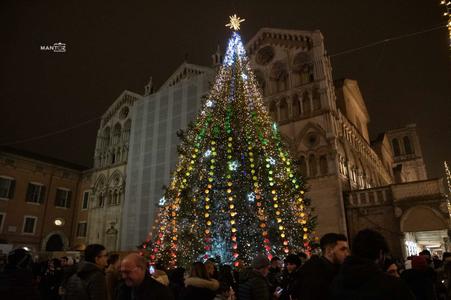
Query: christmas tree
236, 191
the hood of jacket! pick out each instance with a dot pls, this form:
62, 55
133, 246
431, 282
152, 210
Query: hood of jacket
86, 267
357, 271
211, 284
249, 274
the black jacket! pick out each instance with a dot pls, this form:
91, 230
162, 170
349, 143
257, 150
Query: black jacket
87, 283
148, 289
17, 284
253, 286
421, 283
361, 278
315, 279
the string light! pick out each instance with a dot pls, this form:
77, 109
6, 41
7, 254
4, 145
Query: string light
447, 13
234, 191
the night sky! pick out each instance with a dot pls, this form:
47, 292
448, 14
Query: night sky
114, 46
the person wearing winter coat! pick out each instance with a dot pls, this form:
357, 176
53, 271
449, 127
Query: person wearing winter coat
16, 280
361, 275
420, 280
253, 284
317, 274
88, 282
199, 285
137, 283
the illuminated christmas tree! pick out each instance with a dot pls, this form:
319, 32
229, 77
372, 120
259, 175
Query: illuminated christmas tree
236, 191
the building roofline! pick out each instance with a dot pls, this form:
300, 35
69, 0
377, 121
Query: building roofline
43, 158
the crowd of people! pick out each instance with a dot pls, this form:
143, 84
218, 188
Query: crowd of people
363, 272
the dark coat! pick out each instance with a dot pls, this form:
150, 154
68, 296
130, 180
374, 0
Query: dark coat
290, 284
148, 289
253, 286
88, 283
17, 284
361, 278
199, 289
197, 293
421, 283
315, 279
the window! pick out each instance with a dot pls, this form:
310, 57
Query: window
62, 198
84, 204
312, 165
283, 110
81, 229
395, 145
35, 193
407, 145
7, 187
306, 109
29, 224
323, 165
2, 218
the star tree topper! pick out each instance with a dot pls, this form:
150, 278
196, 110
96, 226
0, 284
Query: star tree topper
235, 22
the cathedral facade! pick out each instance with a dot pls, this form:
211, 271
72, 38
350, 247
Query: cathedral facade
323, 121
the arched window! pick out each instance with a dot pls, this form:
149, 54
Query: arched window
303, 68
303, 165
127, 127
273, 111
117, 133
279, 76
407, 145
283, 108
106, 137
306, 108
260, 80
323, 165
316, 99
395, 145
312, 165
100, 200
296, 106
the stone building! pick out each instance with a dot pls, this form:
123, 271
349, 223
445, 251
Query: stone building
107, 178
38, 201
323, 121
354, 182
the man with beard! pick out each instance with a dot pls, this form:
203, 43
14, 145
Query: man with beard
317, 274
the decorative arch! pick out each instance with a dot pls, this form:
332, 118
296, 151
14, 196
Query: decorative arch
260, 80
115, 179
273, 110
117, 130
279, 76
295, 105
302, 68
127, 128
310, 126
430, 218
303, 165
407, 145
106, 136
283, 110
316, 99
312, 165
306, 105
396, 148
53, 235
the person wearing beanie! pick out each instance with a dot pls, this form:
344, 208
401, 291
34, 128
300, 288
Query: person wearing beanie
419, 280
253, 283
291, 277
